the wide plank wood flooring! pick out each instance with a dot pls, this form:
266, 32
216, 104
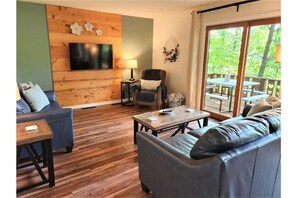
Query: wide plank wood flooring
103, 162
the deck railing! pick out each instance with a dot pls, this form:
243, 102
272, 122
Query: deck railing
267, 85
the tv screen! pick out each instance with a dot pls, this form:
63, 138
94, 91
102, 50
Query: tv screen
84, 56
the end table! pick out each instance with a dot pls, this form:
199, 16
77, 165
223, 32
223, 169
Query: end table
27, 140
129, 83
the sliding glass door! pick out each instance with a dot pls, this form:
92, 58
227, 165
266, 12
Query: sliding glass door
240, 66
263, 68
222, 67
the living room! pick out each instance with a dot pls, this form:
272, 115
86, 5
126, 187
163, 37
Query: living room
43, 34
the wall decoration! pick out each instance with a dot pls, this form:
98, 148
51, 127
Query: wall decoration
170, 50
99, 32
89, 27
76, 29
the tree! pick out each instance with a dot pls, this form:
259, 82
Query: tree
266, 51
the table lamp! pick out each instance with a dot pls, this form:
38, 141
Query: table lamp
131, 64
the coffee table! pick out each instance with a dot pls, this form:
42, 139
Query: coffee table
179, 118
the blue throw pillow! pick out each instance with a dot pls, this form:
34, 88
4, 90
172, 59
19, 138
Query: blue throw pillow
22, 107
36, 98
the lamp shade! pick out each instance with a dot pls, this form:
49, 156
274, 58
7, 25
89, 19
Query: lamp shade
278, 56
18, 97
131, 64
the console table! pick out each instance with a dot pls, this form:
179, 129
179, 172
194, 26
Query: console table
129, 83
26, 140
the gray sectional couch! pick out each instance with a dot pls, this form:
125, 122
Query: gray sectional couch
239, 157
59, 119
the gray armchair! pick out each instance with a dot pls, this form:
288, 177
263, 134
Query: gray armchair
151, 97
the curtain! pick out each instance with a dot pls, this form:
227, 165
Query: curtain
194, 71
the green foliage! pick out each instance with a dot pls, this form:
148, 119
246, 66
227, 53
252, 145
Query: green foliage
224, 51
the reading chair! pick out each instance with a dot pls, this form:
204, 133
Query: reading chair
152, 90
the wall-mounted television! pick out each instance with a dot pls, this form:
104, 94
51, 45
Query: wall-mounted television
85, 56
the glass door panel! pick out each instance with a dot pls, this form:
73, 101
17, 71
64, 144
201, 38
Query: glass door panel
221, 70
262, 75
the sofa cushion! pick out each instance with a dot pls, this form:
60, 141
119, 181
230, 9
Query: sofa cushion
22, 107
200, 131
227, 136
182, 142
273, 116
36, 98
146, 96
259, 106
52, 107
231, 120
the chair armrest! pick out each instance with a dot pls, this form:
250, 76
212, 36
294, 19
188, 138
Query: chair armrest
50, 95
135, 88
163, 91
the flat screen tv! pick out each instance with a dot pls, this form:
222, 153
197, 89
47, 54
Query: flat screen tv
85, 56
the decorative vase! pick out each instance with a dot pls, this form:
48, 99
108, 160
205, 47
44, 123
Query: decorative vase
227, 77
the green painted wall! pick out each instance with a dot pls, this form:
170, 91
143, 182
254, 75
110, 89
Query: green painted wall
33, 52
137, 43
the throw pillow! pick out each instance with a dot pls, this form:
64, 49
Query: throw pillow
259, 106
25, 86
36, 98
22, 107
228, 136
150, 84
274, 101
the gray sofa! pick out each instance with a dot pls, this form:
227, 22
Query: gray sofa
239, 157
59, 119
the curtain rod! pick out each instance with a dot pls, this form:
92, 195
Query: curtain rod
226, 6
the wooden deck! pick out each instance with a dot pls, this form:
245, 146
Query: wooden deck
214, 104
103, 162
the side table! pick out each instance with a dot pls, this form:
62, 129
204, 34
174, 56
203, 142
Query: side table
25, 140
129, 83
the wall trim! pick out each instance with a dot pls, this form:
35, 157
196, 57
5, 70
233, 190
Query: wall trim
97, 104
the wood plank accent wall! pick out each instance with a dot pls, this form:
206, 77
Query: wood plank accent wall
83, 87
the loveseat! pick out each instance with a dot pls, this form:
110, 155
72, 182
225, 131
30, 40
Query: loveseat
59, 119
239, 157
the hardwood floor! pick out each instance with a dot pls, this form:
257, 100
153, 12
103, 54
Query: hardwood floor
103, 162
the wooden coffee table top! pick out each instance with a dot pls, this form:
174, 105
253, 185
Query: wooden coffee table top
23, 137
179, 115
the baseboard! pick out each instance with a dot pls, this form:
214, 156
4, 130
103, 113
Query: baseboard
90, 105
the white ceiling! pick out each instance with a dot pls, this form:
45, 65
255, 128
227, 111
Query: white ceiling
138, 8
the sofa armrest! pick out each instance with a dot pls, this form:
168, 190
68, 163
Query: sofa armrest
55, 114
160, 164
50, 95
61, 123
